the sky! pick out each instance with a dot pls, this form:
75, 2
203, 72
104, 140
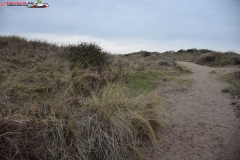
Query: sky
125, 26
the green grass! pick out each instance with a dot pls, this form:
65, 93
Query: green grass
147, 81
142, 81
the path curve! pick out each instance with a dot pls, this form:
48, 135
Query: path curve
203, 125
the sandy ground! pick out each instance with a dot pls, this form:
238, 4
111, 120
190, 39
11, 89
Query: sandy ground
204, 124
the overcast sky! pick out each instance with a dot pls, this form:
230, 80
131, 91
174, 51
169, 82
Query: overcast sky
124, 26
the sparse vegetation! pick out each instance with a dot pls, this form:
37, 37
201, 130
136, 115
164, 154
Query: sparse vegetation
234, 80
218, 59
201, 56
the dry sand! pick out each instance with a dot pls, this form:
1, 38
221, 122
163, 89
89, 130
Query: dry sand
204, 123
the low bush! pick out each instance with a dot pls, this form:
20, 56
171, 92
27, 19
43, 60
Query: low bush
163, 63
85, 55
205, 59
234, 60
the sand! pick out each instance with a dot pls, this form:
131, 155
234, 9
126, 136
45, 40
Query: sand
204, 122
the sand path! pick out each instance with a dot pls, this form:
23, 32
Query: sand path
203, 123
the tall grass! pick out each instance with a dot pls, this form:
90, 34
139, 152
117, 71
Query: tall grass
102, 126
55, 107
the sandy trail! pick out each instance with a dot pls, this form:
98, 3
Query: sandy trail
203, 125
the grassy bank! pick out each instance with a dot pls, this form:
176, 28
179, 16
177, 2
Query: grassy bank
80, 102
71, 102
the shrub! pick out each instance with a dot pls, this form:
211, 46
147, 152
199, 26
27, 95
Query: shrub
163, 63
192, 50
146, 54
87, 55
204, 50
205, 59
181, 50
234, 60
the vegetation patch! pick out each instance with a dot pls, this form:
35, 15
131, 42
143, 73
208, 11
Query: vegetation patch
86, 55
142, 82
80, 102
218, 59
70, 102
184, 81
234, 80
103, 126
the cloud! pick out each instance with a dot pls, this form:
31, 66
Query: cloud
123, 46
124, 26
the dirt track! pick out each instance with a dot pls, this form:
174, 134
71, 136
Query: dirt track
203, 125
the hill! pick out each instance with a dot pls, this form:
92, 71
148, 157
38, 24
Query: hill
80, 102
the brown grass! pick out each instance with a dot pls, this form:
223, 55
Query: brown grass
218, 59
104, 126
234, 80
50, 110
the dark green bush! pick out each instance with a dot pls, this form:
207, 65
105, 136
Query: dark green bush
204, 50
146, 54
234, 60
192, 50
85, 55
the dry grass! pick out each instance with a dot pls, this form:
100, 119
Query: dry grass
102, 126
146, 71
234, 80
51, 110
218, 59
199, 56
56, 105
